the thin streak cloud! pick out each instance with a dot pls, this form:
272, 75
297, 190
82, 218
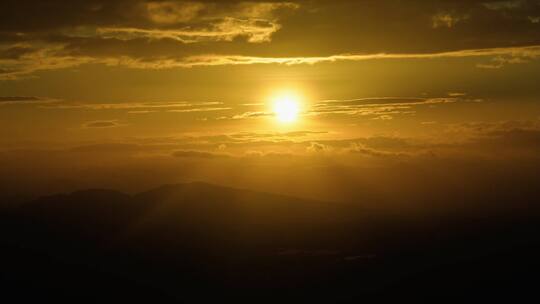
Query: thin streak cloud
53, 57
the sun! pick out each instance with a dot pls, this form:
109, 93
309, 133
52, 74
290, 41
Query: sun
287, 108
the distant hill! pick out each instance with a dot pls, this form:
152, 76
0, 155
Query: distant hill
177, 243
219, 212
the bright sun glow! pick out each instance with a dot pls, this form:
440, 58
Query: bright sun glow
287, 108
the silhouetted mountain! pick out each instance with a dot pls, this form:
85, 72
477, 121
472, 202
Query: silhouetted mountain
199, 241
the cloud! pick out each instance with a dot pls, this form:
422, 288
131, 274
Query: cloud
299, 143
274, 136
199, 154
514, 138
303, 133
382, 108
510, 140
384, 117
315, 147
57, 56
214, 60
16, 51
481, 129
504, 5
357, 148
534, 19
268, 155
447, 19
108, 148
457, 94
173, 12
64, 40
141, 112
144, 107
102, 124
500, 61
149, 34
18, 98
247, 115
169, 12
256, 31
41, 57
198, 110
14, 100
239, 143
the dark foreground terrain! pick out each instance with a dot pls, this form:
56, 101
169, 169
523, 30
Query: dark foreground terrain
200, 243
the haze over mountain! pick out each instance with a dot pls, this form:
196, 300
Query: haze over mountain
201, 242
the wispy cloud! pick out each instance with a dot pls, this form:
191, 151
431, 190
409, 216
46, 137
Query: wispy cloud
198, 110
144, 107
193, 22
22, 100
247, 115
175, 12
382, 108
209, 60
447, 19
367, 151
504, 5
102, 124
55, 56
199, 154
149, 34
501, 61
227, 29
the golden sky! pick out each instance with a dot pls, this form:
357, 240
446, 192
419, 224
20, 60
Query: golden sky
192, 89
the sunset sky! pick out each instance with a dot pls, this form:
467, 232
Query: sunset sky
301, 97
